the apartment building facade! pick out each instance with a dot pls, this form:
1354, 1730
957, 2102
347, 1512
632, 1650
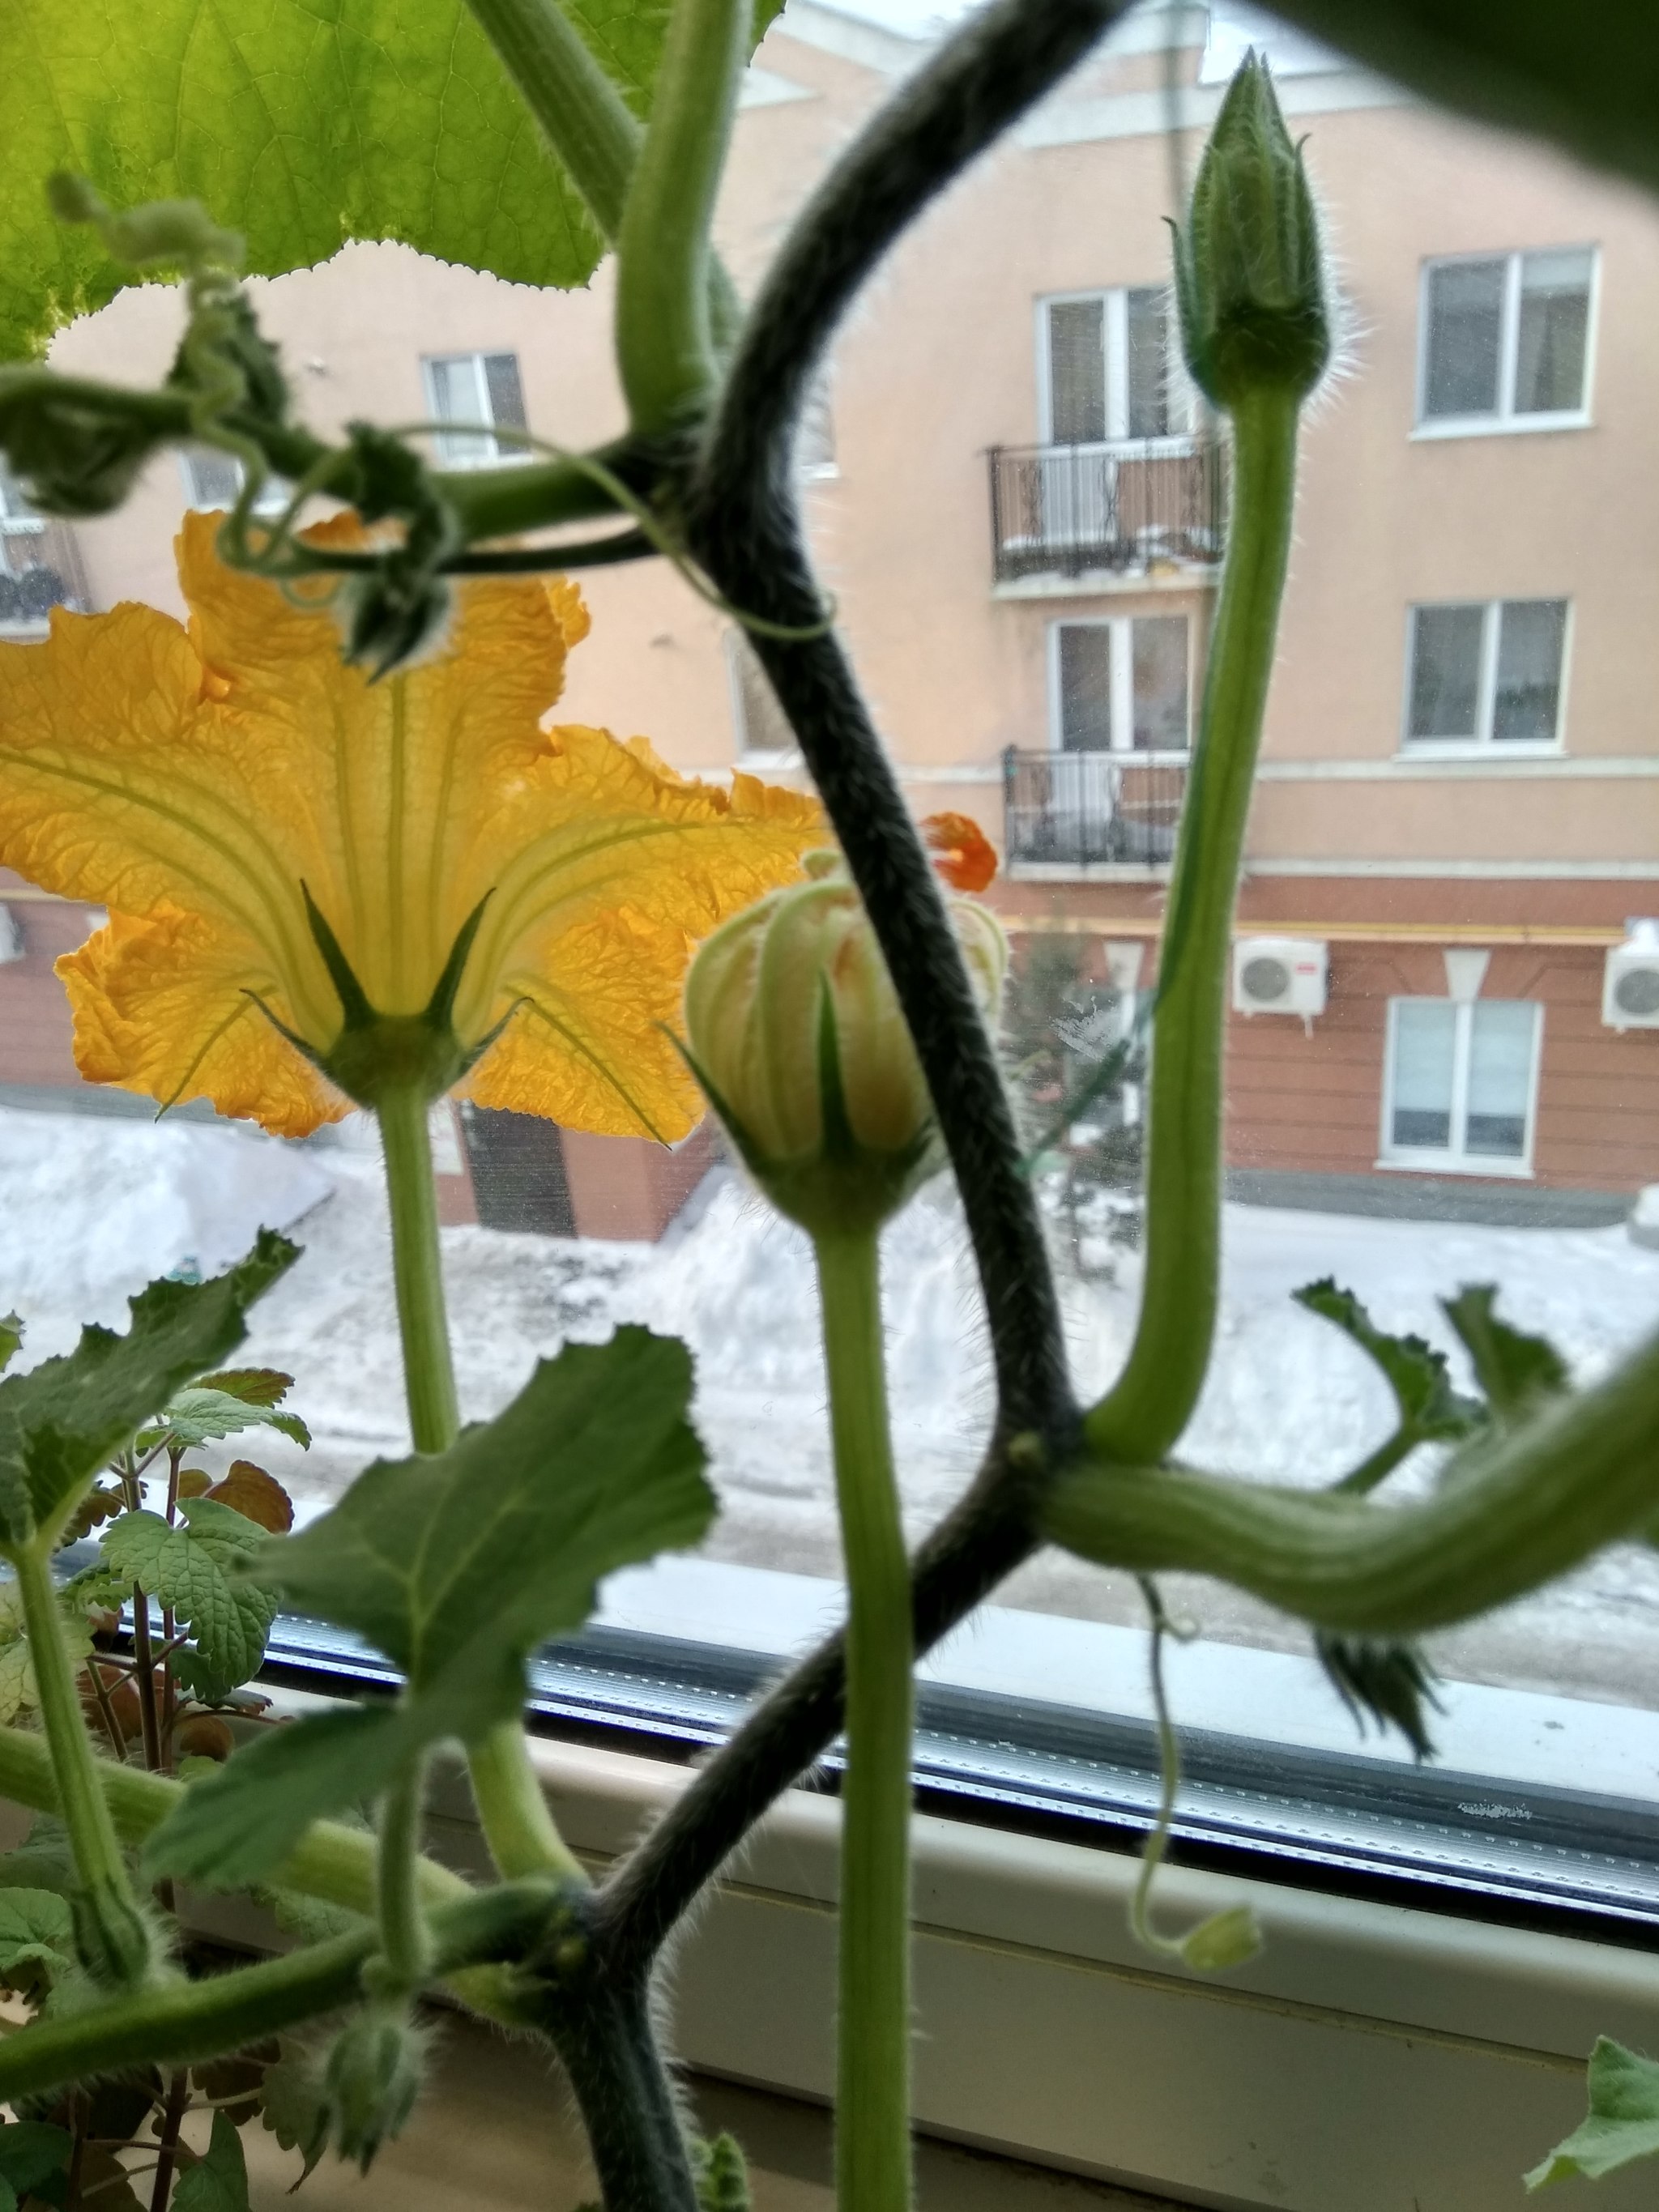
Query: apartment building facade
1445, 996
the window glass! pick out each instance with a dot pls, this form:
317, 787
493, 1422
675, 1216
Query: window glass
212, 479
1445, 682
1554, 326
1160, 682
1464, 338
1424, 1052
1147, 314
1500, 1077
1077, 371
484, 388
1530, 636
1085, 687
762, 724
503, 393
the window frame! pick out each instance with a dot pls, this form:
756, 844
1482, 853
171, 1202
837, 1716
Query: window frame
273, 494
1122, 745
1114, 340
510, 455
1503, 422
1458, 1160
1483, 746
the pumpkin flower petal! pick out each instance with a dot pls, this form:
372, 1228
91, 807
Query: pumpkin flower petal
962, 851
221, 786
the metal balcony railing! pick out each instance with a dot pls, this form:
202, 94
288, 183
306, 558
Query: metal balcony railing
39, 569
1071, 809
1061, 510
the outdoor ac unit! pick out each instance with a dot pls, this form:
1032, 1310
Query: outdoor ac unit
1630, 981
1280, 976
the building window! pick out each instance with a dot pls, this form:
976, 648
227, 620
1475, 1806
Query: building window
1460, 1083
213, 479
1486, 673
1108, 367
1122, 685
1506, 340
762, 727
481, 388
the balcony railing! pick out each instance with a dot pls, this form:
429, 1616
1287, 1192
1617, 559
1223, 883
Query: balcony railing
39, 569
1071, 809
1066, 509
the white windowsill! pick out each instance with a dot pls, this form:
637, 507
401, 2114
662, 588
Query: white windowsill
1482, 752
1498, 426
1444, 1164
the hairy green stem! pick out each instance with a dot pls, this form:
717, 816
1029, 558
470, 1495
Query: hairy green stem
176, 2022
405, 1944
435, 1417
872, 2103
665, 348
74, 1765
513, 1809
1512, 1515
517, 1825
1153, 1400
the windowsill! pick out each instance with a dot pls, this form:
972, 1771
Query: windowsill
1088, 872
1109, 583
1443, 1163
1479, 751
1498, 426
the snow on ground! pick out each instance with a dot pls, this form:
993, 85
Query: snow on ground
91, 1206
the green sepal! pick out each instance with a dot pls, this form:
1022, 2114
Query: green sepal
1390, 1682
456, 1564
62, 1420
1622, 2126
722, 2174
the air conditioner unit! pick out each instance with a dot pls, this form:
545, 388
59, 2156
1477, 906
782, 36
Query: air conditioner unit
1630, 981
1280, 976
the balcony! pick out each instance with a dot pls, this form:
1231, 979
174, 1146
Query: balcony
1081, 810
1127, 508
39, 569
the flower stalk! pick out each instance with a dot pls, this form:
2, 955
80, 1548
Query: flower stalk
873, 2138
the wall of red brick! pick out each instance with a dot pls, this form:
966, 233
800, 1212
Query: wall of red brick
34, 1016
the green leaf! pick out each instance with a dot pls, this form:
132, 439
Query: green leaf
295, 2109
37, 1944
19, 1692
202, 1416
1623, 2123
300, 127
217, 2182
62, 1420
456, 1566
30, 2151
1416, 1373
189, 1569
254, 1386
1518, 1373
11, 1338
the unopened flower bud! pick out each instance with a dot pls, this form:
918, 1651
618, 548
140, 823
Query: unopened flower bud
371, 2079
1250, 278
796, 1034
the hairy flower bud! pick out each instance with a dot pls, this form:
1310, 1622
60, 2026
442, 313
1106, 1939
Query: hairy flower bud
1250, 279
796, 1035
371, 2079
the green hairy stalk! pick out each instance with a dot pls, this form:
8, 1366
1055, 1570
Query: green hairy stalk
457, 1560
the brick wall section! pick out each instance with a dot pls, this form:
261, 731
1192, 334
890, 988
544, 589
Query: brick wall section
627, 1187
35, 1015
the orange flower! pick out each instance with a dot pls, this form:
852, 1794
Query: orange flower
962, 851
277, 840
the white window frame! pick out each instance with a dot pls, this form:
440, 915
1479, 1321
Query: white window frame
1505, 421
451, 448
1455, 1160
1483, 746
1116, 339
1122, 681
274, 493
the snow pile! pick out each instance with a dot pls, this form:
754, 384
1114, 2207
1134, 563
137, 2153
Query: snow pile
94, 1207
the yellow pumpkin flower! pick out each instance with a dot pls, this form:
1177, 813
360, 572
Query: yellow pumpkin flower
301, 869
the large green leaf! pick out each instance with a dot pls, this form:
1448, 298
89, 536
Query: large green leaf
456, 1566
60, 1422
1622, 2124
1416, 1373
300, 124
191, 1570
